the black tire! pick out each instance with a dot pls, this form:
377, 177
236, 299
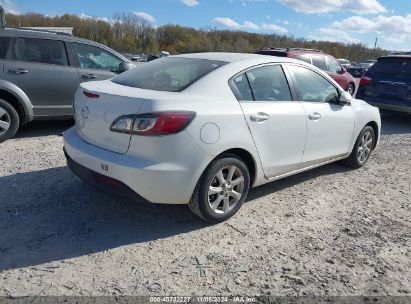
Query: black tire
199, 203
351, 89
8, 115
353, 160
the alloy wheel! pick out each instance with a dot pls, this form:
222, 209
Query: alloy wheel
226, 189
365, 147
350, 89
5, 121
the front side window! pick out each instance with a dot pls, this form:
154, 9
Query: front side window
269, 84
319, 62
40, 51
172, 74
313, 87
334, 66
92, 57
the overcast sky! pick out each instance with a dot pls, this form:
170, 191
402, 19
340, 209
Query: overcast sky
334, 20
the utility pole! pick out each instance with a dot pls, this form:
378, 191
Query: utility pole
375, 46
2, 16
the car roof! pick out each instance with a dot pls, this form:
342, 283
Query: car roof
396, 56
235, 57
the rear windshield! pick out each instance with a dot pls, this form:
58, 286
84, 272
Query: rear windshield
170, 74
392, 66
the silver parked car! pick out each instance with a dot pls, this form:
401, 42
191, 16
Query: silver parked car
41, 70
201, 129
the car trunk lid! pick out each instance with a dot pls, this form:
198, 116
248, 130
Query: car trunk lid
97, 105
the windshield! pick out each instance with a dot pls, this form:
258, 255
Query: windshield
392, 66
172, 74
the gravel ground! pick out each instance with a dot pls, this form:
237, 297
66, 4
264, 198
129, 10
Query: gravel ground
330, 231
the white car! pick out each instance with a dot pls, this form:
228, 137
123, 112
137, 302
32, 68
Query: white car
201, 129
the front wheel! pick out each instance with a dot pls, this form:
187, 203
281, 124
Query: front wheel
221, 190
9, 121
362, 149
351, 89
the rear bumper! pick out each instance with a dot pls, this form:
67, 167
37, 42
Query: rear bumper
156, 182
100, 181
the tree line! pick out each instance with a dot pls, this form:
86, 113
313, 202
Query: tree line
128, 33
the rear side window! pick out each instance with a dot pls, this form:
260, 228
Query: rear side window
334, 65
319, 62
269, 84
40, 51
172, 74
392, 66
4, 45
305, 58
243, 88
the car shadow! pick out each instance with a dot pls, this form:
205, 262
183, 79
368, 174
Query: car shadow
287, 182
44, 128
51, 215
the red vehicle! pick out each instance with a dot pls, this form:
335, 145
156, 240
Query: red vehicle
321, 60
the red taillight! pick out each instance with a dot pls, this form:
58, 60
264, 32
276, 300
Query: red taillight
91, 95
159, 123
162, 123
365, 80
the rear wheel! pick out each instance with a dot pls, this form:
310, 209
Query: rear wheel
221, 190
351, 89
9, 121
362, 149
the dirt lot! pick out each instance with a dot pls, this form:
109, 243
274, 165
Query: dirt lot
331, 231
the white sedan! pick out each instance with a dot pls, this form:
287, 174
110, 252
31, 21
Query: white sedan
201, 129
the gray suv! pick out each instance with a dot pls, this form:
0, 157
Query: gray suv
40, 72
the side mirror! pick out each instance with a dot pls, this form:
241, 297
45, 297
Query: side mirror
342, 71
125, 66
345, 98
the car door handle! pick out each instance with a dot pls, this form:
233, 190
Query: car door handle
314, 116
89, 76
18, 71
259, 117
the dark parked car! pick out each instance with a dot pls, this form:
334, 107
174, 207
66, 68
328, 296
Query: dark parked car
40, 72
357, 70
321, 60
387, 84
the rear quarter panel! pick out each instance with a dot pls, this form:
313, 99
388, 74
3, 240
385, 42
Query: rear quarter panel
215, 104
